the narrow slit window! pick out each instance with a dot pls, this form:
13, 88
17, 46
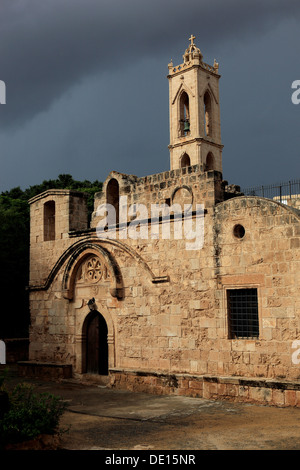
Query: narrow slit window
243, 313
49, 221
207, 115
112, 197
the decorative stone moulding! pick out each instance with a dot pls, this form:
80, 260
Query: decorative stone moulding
94, 263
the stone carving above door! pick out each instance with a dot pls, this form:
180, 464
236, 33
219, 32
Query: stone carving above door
92, 271
92, 266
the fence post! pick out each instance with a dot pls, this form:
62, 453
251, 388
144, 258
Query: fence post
280, 192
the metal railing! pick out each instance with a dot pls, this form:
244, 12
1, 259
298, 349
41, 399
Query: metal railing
280, 191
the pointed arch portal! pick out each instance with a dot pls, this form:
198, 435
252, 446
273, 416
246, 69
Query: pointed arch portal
95, 344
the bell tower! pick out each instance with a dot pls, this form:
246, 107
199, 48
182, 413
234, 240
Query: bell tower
194, 110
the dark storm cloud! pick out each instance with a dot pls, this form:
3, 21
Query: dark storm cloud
46, 47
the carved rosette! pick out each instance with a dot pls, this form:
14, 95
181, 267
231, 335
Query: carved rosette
92, 271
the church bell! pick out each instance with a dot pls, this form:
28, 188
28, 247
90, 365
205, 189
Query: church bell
186, 125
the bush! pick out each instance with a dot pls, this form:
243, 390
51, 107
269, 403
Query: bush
30, 414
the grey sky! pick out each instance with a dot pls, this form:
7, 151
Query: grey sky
87, 91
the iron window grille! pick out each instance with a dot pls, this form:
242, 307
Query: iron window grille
243, 313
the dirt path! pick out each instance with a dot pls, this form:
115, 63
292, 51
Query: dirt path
218, 426
101, 418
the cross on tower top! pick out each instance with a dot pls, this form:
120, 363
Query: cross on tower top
192, 39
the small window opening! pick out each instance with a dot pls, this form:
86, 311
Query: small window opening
243, 313
49, 221
239, 231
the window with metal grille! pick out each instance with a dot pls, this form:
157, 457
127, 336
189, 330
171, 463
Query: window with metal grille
243, 313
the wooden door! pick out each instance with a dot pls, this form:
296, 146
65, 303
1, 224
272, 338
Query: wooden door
96, 342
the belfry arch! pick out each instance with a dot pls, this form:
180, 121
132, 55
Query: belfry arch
184, 114
112, 197
185, 160
210, 162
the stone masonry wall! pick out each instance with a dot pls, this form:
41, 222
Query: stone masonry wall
172, 317
266, 257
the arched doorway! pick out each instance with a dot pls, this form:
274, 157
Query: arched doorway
96, 344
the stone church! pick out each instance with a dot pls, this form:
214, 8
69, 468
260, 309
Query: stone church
149, 312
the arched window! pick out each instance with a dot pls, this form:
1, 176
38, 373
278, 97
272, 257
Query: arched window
207, 115
185, 160
112, 196
184, 113
49, 221
210, 162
